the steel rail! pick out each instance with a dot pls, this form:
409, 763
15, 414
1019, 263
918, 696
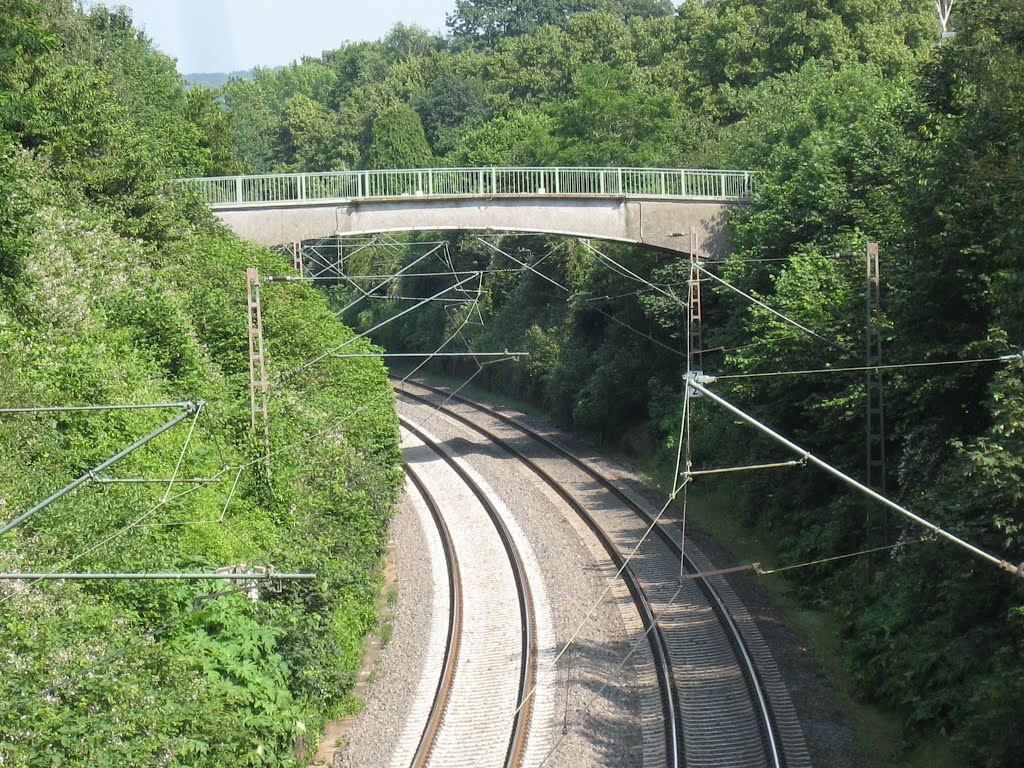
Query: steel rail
656, 638
749, 668
528, 670
451, 651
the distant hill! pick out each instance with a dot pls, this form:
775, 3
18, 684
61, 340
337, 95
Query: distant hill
214, 79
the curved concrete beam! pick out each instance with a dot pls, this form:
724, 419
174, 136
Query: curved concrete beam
655, 222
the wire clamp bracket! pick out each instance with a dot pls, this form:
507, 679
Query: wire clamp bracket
698, 377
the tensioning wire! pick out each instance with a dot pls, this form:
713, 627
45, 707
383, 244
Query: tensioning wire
756, 567
863, 368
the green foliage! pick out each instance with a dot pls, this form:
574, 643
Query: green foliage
310, 139
397, 140
14, 209
519, 138
204, 111
484, 22
735, 44
611, 122
450, 104
116, 291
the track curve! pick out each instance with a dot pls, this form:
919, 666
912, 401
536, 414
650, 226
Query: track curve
762, 730
471, 699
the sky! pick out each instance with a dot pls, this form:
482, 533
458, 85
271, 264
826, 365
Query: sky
232, 35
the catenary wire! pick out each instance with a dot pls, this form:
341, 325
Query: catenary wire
863, 368
782, 316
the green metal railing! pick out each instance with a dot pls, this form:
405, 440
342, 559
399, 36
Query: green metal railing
678, 183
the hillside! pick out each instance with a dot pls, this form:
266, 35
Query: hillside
116, 292
214, 79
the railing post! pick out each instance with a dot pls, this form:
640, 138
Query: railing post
731, 185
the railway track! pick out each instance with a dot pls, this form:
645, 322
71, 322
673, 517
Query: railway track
481, 708
724, 702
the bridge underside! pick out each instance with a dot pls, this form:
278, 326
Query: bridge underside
653, 222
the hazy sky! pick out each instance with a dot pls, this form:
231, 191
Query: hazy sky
228, 35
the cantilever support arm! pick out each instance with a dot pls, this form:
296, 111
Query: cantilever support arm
697, 382
189, 409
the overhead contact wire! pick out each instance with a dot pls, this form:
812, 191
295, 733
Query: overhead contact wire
785, 318
863, 368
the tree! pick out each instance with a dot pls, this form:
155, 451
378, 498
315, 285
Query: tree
397, 140
610, 122
309, 138
484, 22
25, 39
204, 111
451, 103
735, 44
522, 137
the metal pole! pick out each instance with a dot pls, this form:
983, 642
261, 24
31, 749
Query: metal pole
192, 407
874, 393
811, 458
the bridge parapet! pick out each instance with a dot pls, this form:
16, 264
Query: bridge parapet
668, 183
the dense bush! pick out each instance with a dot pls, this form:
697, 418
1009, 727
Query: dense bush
113, 291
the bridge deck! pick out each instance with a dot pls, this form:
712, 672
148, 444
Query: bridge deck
656, 207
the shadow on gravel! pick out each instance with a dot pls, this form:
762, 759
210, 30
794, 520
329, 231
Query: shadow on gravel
597, 705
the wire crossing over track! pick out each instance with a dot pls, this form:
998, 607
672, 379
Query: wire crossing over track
716, 737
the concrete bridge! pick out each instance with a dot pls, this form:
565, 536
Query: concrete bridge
647, 206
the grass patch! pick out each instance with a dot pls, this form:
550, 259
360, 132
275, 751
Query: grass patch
385, 632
